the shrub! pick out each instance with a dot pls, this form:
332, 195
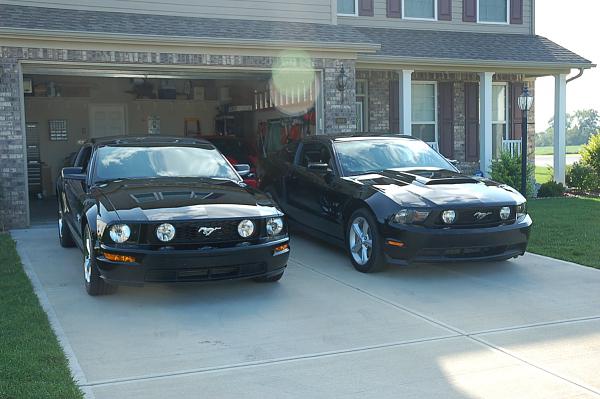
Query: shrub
551, 189
507, 170
583, 177
590, 153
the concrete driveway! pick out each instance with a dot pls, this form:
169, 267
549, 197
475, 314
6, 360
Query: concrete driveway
528, 328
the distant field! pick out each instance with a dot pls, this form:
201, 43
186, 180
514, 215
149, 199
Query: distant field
543, 174
549, 150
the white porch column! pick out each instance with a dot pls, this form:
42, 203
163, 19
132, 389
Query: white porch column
405, 101
485, 121
560, 127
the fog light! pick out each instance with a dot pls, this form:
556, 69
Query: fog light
449, 217
504, 212
119, 258
165, 232
246, 228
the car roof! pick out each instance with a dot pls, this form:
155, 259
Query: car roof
357, 137
147, 140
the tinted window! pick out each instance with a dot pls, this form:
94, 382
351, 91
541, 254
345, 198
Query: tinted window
83, 158
314, 153
366, 156
147, 162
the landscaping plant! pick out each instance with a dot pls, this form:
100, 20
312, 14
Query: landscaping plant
507, 170
551, 189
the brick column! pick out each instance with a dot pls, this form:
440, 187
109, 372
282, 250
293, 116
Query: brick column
14, 209
340, 110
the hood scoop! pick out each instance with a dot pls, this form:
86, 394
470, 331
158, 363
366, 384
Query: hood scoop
142, 198
430, 177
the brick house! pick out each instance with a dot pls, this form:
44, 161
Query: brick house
447, 71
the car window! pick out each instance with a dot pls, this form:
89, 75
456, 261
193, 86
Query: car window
288, 153
83, 158
314, 153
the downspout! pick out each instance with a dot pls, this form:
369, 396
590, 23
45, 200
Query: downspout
581, 70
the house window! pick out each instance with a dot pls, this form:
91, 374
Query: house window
362, 119
419, 9
424, 111
347, 7
493, 11
499, 117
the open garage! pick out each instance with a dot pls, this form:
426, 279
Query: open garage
247, 114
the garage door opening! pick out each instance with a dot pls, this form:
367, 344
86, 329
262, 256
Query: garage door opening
239, 111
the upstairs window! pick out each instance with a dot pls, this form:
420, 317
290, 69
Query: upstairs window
493, 11
419, 9
347, 7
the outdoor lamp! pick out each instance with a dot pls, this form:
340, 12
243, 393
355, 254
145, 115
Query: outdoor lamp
525, 102
342, 81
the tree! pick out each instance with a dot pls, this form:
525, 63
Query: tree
581, 126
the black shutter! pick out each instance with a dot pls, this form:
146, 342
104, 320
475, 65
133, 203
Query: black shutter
471, 122
394, 106
516, 132
394, 8
446, 118
365, 8
445, 10
516, 12
470, 10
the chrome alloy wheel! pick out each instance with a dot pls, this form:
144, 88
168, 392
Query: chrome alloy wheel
87, 257
360, 241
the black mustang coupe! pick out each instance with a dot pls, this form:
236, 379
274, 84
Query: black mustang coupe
394, 200
166, 210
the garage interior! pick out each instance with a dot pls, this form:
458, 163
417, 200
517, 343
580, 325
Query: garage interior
65, 108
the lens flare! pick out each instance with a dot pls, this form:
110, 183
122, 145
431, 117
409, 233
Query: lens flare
292, 88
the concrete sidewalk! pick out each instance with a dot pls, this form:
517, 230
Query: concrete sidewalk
525, 328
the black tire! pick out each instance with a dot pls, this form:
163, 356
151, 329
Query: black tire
94, 284
375, 259
271, 279
64, 233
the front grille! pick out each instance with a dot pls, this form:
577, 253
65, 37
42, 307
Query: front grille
225, 231
206, 274
466, 218
468, 252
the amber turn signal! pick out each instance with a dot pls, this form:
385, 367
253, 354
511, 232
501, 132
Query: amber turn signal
398, 244
281, 249
119, 258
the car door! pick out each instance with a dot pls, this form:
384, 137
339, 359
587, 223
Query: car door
312, 191
76, 191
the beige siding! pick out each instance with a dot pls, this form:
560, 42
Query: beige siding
318, 11
380, 20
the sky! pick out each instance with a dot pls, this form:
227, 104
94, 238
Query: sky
572, 24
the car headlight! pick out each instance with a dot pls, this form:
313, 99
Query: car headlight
504, 212
165, 232
119, 233
521, 211
407, 216
274, 226
246, 228
449, 216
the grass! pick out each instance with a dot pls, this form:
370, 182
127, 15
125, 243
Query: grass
543, 174
567, 229
549, 150
32, 364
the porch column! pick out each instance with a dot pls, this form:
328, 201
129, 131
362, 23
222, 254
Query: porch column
485, 121
560, 127
405, 101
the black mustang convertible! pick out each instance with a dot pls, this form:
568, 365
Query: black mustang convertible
166, 210
394, 200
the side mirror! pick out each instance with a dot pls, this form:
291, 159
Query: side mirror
243, 169
73, 173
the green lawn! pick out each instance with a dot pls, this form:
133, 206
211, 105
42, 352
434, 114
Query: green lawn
566, 228
543, 174
32, 363
549, 150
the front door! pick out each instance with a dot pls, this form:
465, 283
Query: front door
107, 120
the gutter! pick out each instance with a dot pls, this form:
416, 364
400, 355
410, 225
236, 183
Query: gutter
188, 41
580, 74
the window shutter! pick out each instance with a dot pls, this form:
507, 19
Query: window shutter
516, 12
470, 10
446, 118
394, 106
471, 122
516, 113
445, 10
365, 8
394, 8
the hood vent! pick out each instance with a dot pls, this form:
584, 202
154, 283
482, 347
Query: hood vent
170, 195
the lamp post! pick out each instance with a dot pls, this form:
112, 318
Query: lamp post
525, 103
342, 82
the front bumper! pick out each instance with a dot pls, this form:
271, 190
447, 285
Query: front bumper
456, 245
174, 266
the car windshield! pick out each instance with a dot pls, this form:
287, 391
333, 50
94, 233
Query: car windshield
359, 157
115, 163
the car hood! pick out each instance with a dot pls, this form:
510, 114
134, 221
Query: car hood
182, 199
439, 188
